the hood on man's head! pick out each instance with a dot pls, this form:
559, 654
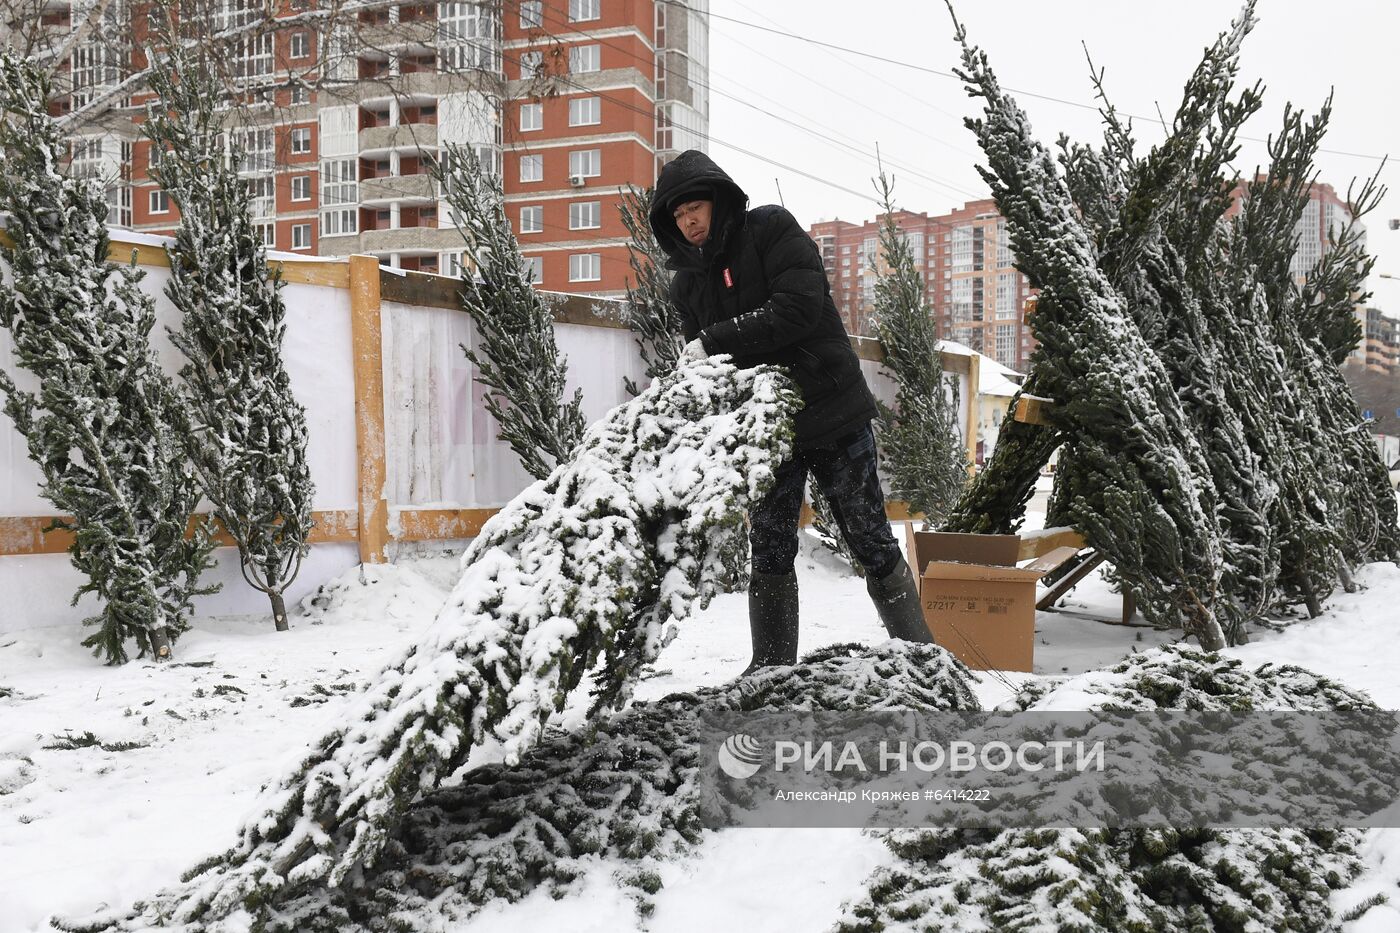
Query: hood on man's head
692, 175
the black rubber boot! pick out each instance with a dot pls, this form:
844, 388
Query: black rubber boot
772, 619
896, 598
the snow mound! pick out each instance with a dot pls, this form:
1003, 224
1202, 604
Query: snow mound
373, 591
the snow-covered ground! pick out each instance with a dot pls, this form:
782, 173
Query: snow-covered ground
86, 827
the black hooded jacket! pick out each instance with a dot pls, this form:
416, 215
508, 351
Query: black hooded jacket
757, 290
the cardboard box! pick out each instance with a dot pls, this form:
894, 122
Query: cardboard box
977, 603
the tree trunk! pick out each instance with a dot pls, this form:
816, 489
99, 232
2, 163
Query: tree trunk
160, 646
279, 610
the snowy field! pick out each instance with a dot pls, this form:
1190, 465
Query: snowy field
107, 824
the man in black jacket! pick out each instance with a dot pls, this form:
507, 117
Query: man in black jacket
750, 283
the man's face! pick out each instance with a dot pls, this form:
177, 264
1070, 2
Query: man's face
693, 220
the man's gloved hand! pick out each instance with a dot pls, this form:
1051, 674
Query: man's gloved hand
695, 350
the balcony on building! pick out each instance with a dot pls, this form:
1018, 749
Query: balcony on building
393, 28
414, 128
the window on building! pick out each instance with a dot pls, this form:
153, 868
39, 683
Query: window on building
532, 219
301, 140
301, 236
530, 64
467, 34
531, 117
582, 10
584, 58
301, 187
584, 111
585, 267
531, 14
585, 215
252, 55
257, 145
532, 168
298, 94
489, 157
159, 202
267, 233
962, 249
586, 163
301, 44
533, 269
338, 182
1003, 246
961, 300
339, 222
1006, 295
262, 196
1005, 353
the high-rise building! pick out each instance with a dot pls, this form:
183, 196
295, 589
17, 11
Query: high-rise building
569, 100
972, 286
1379, 350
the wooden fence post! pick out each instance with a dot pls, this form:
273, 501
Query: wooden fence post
366, 330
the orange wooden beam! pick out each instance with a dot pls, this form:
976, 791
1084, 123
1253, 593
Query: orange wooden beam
366, 336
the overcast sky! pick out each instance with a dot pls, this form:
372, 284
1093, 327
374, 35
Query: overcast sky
1299, 50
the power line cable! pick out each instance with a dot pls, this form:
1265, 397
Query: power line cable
768, 113
948, 74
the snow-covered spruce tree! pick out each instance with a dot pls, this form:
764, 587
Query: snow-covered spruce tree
518, 359
1129, 880
248, 439
924, 458
1152, 511
1251, 358
649, 312
105, 423
579, 574
631, 788
654, 321
1155, 223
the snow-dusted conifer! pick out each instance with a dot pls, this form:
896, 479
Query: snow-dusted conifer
579, 573
656, 324
924, 459
648, 311
1152, 512
1127, 879
1253, 360
248, 439
105, 424
518, 359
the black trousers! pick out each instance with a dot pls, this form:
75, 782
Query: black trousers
846, 474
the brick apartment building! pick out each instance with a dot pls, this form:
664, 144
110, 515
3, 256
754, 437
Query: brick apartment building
977, 294
568, 99
971, 284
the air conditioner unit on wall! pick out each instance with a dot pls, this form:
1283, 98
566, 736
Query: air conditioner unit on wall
576, 180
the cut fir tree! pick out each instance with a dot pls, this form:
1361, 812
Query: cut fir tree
105, 424
924, 458
579, 574
248, 435
517, 356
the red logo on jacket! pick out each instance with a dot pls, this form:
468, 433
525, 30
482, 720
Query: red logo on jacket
728, 279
